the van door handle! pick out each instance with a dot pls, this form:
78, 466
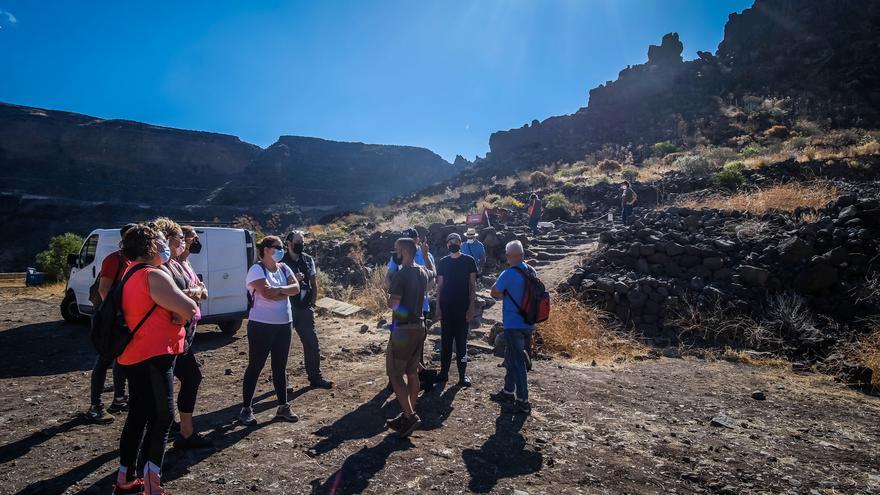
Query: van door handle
93, 271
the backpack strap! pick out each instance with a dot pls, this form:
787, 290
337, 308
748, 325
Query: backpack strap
118, 266
527, 280
122, 282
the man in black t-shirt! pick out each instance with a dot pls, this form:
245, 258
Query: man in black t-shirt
456, 291
302, 304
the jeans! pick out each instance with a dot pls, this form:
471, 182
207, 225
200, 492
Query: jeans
265, 339
99, 376
626, 213
515, 379
187, 370
304, 324
150, 410
533, 224
454, 331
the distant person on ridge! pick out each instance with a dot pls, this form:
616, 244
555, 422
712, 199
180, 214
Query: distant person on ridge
628, 198
535, 210
112, 269
404, 351
456, 292
303, 304
510, 288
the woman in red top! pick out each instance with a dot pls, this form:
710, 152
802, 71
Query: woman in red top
149, 295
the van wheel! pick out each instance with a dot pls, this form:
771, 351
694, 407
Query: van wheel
69, 309
229, 327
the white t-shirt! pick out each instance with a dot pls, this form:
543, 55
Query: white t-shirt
265, 310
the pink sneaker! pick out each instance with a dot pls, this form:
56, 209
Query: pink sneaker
133, 487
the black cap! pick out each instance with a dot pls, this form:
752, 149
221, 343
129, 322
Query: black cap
411, 233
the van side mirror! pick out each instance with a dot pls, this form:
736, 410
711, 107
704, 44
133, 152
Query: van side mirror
72, 258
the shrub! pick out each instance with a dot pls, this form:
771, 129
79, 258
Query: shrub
569, 188
584, 332
433, 216
630, 174
509, 202
777, 132
728, 178
751, 150
664, 148
53, 261
696, 166
786, 197
609, 167
735, 166
539, 179
557, 200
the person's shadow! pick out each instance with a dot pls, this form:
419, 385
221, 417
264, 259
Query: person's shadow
435, 406
359, 468
368, 420
504, 455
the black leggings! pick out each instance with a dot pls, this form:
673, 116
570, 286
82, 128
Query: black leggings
187, 370
150, 410
454, 328
265, 339
99, 376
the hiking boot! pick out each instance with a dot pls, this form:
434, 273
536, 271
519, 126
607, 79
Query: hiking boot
502, 396
97, 415
135, 486
246, 416
409, 425
119, 404
321, 383
517, 407
395, 423
464, 381
284, 412
194, 441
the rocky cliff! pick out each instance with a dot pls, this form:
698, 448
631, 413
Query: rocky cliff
821, 56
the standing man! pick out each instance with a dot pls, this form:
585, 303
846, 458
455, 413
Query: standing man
456, 293
420, 236
303, 304
535, 210
628, 198
475, 249
510, 287
404, 351
112, 269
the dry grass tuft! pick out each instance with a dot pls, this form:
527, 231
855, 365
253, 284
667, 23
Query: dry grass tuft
372, 296
785, 197
583, 332
17, 290
867, 352
751, 358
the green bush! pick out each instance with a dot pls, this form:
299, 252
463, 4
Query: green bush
751, 150
53, 261
569, 188
630, 175
664, 148
735, 166
730, 177
696, 166
557, 200
509, 202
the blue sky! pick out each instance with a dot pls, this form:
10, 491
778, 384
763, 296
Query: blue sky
438, 74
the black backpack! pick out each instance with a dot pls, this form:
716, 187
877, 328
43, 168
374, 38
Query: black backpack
94, 295
110, 334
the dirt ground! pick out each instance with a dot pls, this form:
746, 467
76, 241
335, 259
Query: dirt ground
642, 427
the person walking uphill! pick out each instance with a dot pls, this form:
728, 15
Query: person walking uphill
153, 305
456, 292
271, 284
303, 267
628, 198
408, 333
510, 287
535, 211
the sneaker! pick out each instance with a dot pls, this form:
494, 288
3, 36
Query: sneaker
395, 423
517, 407
119, 404
246, 416
284, 412
321, 383
194, 441
97, 415
136, 486
502, 396
409, 425
464, 381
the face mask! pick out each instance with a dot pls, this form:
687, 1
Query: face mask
164, 252
454, 247
297, 248
195, 247
278, 255
470, 241
398, 259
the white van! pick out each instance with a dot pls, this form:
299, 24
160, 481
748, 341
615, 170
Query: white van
222, 265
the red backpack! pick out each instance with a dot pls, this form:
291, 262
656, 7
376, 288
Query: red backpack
535, 305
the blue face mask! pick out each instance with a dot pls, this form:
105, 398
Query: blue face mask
278, 255
165, 252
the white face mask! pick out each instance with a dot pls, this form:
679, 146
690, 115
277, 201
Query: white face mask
470, 241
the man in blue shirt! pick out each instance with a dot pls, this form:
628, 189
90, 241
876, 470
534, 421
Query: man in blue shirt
510, 287
475, 249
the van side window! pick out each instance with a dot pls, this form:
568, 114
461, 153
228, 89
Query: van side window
87, 253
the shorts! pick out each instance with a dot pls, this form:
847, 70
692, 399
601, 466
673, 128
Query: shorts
404, 350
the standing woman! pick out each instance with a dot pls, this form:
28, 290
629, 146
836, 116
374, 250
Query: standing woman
270, 283
186, 368
149, 299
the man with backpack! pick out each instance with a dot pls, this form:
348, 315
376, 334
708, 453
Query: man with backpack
524, 303
628, 199
112, 269
304, 270
535, 210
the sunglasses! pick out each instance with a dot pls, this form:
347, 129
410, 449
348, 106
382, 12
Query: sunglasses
276, 246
